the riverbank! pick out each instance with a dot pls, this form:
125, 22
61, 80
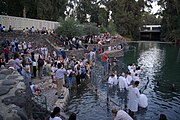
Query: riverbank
149, 42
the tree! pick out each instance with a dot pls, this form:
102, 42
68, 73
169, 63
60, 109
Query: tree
90, 29
151, 19
69, 27
3, 8
41, 9
92, 8
127, 16
171, 19
111, 28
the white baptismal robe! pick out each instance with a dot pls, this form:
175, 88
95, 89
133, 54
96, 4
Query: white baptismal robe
115, 80
129, 79
122, 115
143, 101
122, 83
133, 98
110, 80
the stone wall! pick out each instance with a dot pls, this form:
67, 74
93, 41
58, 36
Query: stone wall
79, 54
19, 23
11, 101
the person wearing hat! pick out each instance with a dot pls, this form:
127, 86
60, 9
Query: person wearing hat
120, 115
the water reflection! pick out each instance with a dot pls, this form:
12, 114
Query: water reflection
161, 63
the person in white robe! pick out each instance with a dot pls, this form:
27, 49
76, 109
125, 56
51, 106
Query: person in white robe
115, 80
128, 78
129, 67
122, 82
136, 77
110, 80
120, 115
143, 101
133, 98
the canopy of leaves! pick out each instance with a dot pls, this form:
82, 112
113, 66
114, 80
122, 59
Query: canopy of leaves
69, 27
90, 29
151, 19
171, 20
127, 16
41, 9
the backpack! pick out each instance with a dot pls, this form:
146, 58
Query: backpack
71, 74
40, 62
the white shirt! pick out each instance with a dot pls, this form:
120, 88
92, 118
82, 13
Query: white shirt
69, 71
133, 98
115, 80
92, 55
128, 79
109, 48
136, 78
129, 67
143, 101
122, 115
74, 39
24, 45
54, 53
34, 63
122, 83
110, 80
55, 118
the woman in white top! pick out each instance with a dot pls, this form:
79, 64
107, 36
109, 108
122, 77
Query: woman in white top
55, 115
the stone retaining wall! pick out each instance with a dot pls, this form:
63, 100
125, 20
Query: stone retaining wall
79, 54
19, 23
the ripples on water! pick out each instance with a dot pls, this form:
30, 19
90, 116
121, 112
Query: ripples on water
161, 63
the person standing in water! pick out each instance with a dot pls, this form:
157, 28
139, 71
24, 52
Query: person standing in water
120, 115
55, 115
133, 98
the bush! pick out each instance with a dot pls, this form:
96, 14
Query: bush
90, 29
69, 27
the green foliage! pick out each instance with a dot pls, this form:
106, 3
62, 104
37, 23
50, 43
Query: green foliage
102, 29
97, 14
111, 28
151, 19
41, 9
171, 20
90, 29
69, 27
3, 7
127, 16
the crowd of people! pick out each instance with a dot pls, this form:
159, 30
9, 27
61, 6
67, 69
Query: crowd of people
32, 62
3, 28
128, 83
35, 63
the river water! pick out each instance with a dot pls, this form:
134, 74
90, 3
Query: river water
161, 63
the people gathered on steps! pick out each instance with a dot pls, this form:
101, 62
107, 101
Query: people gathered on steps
29, 61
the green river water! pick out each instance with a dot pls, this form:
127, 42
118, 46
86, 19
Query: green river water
161, 63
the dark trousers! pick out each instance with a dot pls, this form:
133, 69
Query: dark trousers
78, 79
34, 71
6, 57
3, 63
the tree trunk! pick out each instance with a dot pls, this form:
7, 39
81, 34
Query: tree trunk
24, 12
